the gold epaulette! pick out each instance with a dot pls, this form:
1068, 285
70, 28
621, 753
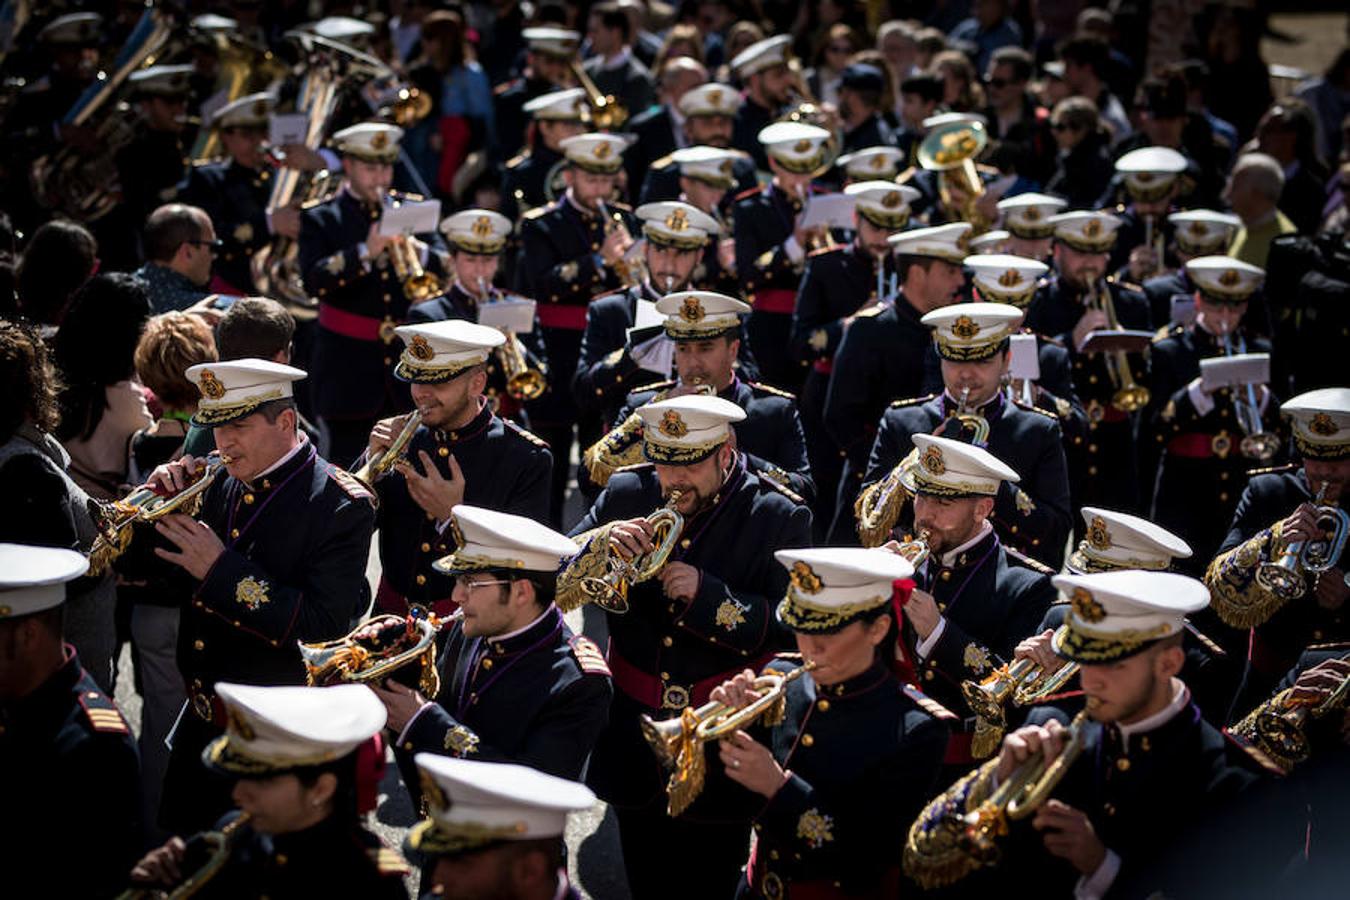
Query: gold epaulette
526, 434
1235, 595
927, 703
620, 205
906, 176
517, 159
781, 488
875, 309
912, 401
1028, 407
822, 251
310, 204
388, 861
407, 195
770, 389
1127, 285
660, 386
1332, 645
663, 161
635, 467
536, 212
209, 161
1272, 470
1027, 562
1167, 331
1205, 641
351, 485
588, 656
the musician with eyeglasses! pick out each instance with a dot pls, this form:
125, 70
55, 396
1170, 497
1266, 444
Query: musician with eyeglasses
457, 451
859, 748
702, 616
354, 273
305, 765
1202, 437
1279, 579
276, 553
1092, 828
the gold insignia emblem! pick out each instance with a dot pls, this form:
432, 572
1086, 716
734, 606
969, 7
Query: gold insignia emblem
461, 741
251, 593
335, 264
819, 340
1025, 505
1092, 228
1221, 444
933, 461
965, 327
975, 658
243, 233
1098, 537
1322, 424
692, 310
602, 151
1031, 214
715, 98
482, 227
1198, 229
1085, 606
420, 349
801, 146
1230, 278
210, 385
816, 828
260, 108
672, 425
568, 271
892, 199
726, 167
878, 162
678, 220
379, 140
729, 615
240, 725
963, 242
1010, 279
431, 791
804, 579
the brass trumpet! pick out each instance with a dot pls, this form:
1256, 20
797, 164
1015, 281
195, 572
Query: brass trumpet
1130, 396
522, 381
679, 742
612, 221
218, 845
607, 113
380, 464
918, 550
1256, 443
1286, 577
393, 643
609, 588
1025, 682
115, 520
418, 284
1287, 728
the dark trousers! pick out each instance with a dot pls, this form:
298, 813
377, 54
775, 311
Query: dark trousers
194, 796
559, 439
667, 857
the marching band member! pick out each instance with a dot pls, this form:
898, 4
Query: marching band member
701, 620
548, 60
306, 764
517, 685
349, 266
1027, 219
972, 342
706, 176
461, 452
706, 329
763, 69
153, 162
660, 128
709, 112
529, 178
495, 829
1153, 177
858, 751
1195, 232
276, 554
876, 163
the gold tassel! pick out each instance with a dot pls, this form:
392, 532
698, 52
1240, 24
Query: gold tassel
691, 767
878, 506
1237, 598
622, 446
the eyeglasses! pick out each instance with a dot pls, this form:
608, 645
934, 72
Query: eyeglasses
470, 585
997, 83
213, 245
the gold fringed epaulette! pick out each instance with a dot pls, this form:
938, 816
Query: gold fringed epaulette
878, 506
927, 703
1272, 470
526, 434
590, 563
911, 401
936, 851
770, 389
621, 447
1273, 749
1236, 596
388, 861
1021, 559
351, 485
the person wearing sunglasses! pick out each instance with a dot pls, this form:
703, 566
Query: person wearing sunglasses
180, 245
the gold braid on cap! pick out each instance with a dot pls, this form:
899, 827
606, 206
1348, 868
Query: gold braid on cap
410, 369
677, 454
436, 838
800, 614
211, 413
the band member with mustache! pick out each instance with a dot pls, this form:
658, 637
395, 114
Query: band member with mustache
709, 112
462, 452
1031, 516
706, 328
885, 352
305, 764
762, 68
516, 684
974, 601
858, 751
277, 553
706, 616
1278, 509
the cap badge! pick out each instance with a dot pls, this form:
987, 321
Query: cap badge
1199, 229
210, 385
482, 227
1322, 424
1230, 278
602, 150
1031, 214
1098, 537
725, 167
804, 579
678, 220
420, 349
435, 797
1085, 606
1092, 228
379, 140
965, 327
260, 108
691, 310
892, 198
933, 462
963, 242
715, 98
672, 425
878, 162
802, 146
1010, 278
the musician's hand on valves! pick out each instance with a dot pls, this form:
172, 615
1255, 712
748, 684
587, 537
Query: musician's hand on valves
198, 546
171, 477
400, 702
632, 538
1301, 525
1318, 683
922, 612
1143, 262
615, 246
376, 243
1331, 590
738, 692
163, 865
750, 764
286, 222
1027, 741
1092, 320
679, 581
1037, 649
436, 495
1068, 834
383, 434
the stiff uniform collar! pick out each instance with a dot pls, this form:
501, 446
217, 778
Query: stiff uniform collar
477, 425
355, 203
1181, 698
990, 408
277, 471
571, 202
524, 638
958, 557
871, 678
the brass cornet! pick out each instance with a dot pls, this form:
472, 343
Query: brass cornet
397, 642
1286, 728
522, 381
1286, 577
1130, 396
1025, 682
381, 464
601, 576
218, 846
678, 742
115, 520
418, 284
918, 550
611, 221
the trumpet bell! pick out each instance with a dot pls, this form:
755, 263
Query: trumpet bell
664, 738
1131, 398
1260, 446
382, 648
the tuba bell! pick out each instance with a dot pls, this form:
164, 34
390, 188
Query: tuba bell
601, 576
950, 150
378, 649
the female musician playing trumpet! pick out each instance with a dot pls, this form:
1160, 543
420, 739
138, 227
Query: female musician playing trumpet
858, 749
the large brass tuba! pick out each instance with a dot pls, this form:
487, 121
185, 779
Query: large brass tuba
116, 519
1024, 682
87, 187
950, 150
244, 69
679, 742
379, 649
958, 832
601, 576
607, 113
217, 847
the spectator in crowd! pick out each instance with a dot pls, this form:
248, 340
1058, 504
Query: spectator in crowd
1239, 86
826, 76
1165, 121
860, 103
1019, 129
681, 41
1196, 75
988, 29
59, 258
1084, 167
920, 96
1086, 61
1253, 193
930, 42
613, 67
1288, 132
180, 246
895, 40
1329, 98
740, 36
961, 91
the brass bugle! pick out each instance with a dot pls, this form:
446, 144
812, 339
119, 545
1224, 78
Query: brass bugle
219, 845
1286, 576
1130, 396
1024, 682
380, 464
523, 381
610, 590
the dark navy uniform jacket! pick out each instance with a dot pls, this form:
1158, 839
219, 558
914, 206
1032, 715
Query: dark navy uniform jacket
150, 168
863, 757
539, 698
525, 180
561, 268
360, 302
508, 101
505, 468
662, 181
66, 747
667, 654
1130, 234
834, 285
751, 119
1160, 289
655, 130
1032, 515
235, 197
